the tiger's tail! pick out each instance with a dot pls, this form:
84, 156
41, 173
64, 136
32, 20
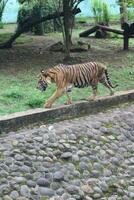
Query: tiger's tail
108, 80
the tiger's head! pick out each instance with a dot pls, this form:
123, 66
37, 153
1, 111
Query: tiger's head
43, 81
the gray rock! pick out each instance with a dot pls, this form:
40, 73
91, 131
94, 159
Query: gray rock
19, 157
31, 183
131, 189
60, 191
3, 173
19, 179
43, 182
46, 191
72, 189
104, 186
6, 197
66, 155
66, 196
14, 194
25, 191
75, 158
83, 165
58, 176
97, 189
38, 139
131, 195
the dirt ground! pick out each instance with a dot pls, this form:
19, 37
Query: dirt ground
34, 55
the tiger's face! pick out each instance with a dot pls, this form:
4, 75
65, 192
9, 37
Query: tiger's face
43, 81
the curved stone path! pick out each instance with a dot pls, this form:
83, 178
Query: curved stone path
84, 159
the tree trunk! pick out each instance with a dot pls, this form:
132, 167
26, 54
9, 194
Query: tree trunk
66, 22
29, 23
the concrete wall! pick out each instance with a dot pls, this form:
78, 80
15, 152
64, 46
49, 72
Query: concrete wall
11, 10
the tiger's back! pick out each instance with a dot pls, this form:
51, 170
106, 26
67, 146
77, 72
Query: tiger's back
80, 75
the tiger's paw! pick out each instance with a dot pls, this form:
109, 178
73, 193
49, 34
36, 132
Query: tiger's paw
48, 105
68, 102
111, 93
91, 99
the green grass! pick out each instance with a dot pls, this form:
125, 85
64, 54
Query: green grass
1, 25
19, 93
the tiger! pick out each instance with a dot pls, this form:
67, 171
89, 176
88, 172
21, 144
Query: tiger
78, 75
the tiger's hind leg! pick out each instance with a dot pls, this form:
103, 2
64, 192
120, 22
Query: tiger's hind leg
94, 88
69, 100
68, 90
105, 83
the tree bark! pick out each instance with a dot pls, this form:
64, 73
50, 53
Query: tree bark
29, 23
67, 15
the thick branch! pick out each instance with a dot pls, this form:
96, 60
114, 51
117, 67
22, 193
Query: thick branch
30, 22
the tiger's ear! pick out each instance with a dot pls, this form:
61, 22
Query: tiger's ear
44, 73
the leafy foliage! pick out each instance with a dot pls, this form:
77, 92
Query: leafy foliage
37, 9
100, 12
129, 3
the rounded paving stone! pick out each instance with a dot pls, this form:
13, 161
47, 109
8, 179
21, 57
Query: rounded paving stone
58, 176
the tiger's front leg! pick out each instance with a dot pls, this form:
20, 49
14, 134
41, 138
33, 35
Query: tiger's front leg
51, 100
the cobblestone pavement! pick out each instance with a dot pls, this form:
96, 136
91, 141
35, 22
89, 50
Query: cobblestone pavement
85, 158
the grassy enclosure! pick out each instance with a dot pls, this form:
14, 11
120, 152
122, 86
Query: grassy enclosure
20, 66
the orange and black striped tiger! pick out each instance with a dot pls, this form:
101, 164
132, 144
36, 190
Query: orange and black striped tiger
77, 75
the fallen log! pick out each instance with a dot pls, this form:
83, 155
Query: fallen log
29, 23
88, 32
103, 28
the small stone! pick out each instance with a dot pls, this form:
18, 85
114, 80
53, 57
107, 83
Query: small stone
60, 191
66, 155
83, 165
131, 188
25, 169
15, 143
43, 182
19, 157
58, 176
75, 158
97, 196
131, 160
72, 189
38, 139
14, 194
97, 189
31, 183
46, 191
87, 189
7, 198
65, 196
104, 186
24, 191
